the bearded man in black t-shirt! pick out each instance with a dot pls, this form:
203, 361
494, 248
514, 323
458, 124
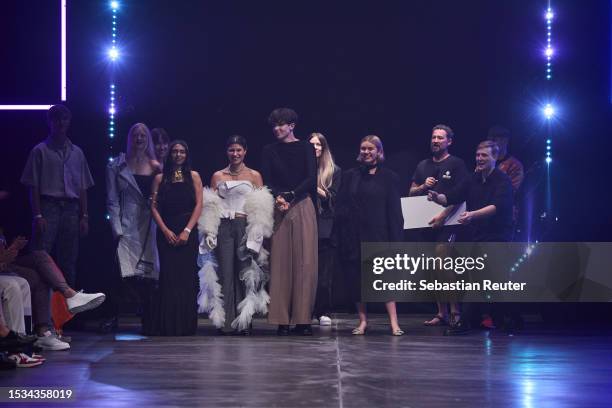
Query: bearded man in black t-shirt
443, 173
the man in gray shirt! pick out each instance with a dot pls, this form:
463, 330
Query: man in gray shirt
58, 177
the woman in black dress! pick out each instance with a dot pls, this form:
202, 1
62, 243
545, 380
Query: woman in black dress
177, 204
368, 210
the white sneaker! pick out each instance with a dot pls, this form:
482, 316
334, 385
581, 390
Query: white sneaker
49, 341
325, 321
81, 302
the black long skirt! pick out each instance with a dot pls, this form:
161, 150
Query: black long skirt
178, 282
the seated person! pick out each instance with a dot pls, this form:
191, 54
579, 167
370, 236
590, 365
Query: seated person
15, 296
42, 274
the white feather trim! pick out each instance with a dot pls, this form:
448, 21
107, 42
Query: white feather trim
256, 299
210, 218
210, 298
259, 207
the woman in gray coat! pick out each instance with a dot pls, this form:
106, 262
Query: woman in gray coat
128, 181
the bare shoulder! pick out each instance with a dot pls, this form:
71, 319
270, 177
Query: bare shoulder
155, 165
195, 175
255, 178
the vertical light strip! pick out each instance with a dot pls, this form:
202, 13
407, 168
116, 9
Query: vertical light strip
113, 55
549, 48
549, 111
64, 82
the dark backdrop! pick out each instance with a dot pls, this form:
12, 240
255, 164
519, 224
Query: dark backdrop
205, 70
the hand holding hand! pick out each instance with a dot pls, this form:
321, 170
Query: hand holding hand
281, 204
170, 237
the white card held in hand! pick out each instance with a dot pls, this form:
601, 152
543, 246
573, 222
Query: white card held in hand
418, 211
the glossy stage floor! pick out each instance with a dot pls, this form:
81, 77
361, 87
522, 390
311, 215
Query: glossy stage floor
538, 368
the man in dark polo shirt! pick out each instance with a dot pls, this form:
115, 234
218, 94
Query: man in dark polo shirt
488, 215
442, 173
58, 177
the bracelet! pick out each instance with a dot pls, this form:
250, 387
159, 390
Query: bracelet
38, 216
187, 229
85, 215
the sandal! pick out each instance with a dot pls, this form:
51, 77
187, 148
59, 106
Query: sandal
437, 320
358, 332
454, 319
398, 332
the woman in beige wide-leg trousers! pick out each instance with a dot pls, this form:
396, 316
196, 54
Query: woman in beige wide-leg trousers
293, 265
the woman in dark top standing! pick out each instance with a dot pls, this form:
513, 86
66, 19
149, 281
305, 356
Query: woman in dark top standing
369, 210
177, 204
128, 185
328, 183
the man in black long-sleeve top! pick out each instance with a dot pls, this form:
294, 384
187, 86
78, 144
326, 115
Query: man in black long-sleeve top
289, 169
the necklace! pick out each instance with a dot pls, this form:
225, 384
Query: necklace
177, 176
235, 173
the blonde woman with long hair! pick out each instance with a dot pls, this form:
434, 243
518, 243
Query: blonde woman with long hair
129, 178
328, 184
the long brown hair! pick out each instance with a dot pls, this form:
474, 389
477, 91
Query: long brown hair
325, 165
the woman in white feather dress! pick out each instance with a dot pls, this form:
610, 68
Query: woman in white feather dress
237, 216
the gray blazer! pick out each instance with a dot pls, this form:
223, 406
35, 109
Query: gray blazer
130, 218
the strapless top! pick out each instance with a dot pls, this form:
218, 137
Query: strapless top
233, 193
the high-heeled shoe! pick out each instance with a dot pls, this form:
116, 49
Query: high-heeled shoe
357, 331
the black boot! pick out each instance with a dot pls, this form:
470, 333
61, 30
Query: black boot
302, 330
283, 330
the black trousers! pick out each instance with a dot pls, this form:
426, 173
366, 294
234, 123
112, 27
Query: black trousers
328, 263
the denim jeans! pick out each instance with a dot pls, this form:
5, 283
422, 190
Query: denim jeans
61, 235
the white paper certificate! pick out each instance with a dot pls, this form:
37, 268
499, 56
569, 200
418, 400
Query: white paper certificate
418, 211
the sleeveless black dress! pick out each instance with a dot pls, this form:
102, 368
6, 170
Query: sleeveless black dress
178, 274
